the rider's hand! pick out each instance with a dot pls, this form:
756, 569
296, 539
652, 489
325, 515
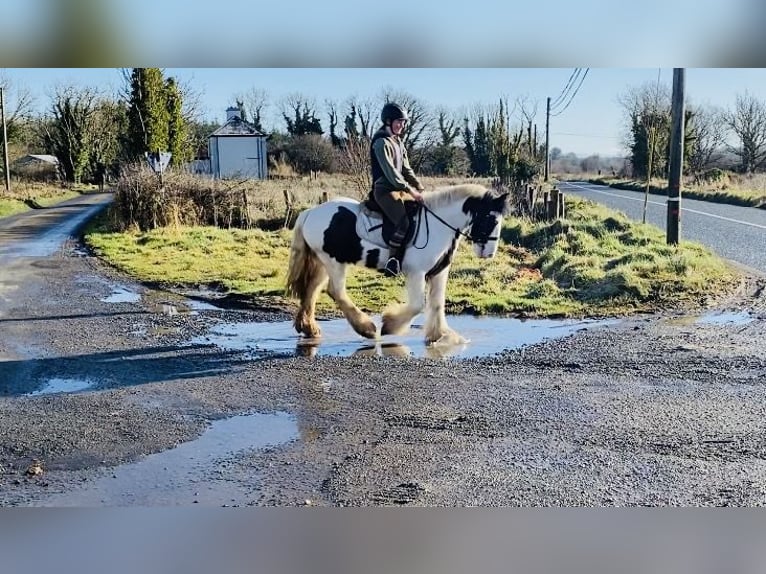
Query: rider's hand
417, 196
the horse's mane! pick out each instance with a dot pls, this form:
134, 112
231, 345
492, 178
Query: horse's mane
447, 195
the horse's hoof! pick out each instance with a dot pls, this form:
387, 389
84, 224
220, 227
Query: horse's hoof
448, 338
390, 328
311, 332
369, 331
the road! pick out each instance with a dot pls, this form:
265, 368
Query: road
734, 232
111, 401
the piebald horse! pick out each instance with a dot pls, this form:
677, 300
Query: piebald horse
327, 239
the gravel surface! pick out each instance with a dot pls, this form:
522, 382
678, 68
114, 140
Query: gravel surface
656, 410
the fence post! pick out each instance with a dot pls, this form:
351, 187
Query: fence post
546, 209
553, 207
288, 207
561, 205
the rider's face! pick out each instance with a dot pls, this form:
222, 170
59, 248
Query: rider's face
397, 126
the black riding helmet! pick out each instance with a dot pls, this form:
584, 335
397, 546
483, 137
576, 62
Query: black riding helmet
391, 112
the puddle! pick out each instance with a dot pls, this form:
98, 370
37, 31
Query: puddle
726, 318
195, 472
487, 336
122, 295
63, 386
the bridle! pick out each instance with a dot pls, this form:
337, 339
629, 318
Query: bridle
481, 236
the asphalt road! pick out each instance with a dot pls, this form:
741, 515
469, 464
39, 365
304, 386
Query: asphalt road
733, 232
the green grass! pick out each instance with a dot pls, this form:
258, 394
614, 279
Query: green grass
594, 263
42, 195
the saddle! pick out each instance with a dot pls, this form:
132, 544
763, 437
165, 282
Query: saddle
372, 224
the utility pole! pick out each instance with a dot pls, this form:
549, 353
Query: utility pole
547, 143
5, 143
676, 157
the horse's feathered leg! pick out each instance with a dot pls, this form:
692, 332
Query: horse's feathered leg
436, 327
305, 278
397, 319
336, 289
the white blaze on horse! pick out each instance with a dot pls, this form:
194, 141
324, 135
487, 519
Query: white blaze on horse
342, 232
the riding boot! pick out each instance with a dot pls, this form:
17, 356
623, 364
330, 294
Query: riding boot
394, 263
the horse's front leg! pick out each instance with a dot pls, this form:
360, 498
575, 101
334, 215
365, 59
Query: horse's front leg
336, 288
437, 331
397, 319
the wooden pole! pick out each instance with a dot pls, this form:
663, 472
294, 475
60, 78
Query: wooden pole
676, 157
547, 139
6, 163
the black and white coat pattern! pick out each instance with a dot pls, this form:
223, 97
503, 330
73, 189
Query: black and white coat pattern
325, 242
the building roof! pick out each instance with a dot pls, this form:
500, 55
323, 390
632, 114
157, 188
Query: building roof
29, 158
237, 127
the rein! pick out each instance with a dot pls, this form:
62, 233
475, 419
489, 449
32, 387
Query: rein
458, 232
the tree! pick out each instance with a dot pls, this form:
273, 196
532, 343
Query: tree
180, 143
148, 115
647, 114
419, 134
709, 130
253, 103
310, 153
302, 119
748, 123
70, 132
332, 111
18, 108
444, 157
109, 122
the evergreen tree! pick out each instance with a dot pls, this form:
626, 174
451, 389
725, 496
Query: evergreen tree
179, 144
148, 116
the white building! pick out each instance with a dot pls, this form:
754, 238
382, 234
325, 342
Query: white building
237, 149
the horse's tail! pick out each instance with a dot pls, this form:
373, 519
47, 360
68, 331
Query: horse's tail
304, 265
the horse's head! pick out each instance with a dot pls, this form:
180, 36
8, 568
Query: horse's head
486, 222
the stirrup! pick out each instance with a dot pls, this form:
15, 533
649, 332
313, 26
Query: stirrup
393, 267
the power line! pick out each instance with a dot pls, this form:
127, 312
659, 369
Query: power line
564, 92
577, 89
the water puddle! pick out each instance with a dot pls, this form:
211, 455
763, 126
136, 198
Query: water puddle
58, 385
487, 336
196, 472
122, 295
726, 318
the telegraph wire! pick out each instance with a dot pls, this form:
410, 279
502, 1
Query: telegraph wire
577, 89
567, 87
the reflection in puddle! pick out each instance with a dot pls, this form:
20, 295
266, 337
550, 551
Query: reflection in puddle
725, 318
122, 295
486, 335
195, 472
63, 386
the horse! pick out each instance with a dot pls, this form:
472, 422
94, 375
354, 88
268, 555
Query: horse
329, 237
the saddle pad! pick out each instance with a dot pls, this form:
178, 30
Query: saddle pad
369, 227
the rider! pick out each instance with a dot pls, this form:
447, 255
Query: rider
394, 181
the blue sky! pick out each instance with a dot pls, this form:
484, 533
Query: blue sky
593, 122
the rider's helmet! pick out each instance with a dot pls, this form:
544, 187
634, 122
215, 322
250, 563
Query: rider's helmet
391, 112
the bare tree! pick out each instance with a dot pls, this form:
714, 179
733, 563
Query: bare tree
18, 106
364, 112
709, 130
748, 123
255, 102
421, 133
527, 112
